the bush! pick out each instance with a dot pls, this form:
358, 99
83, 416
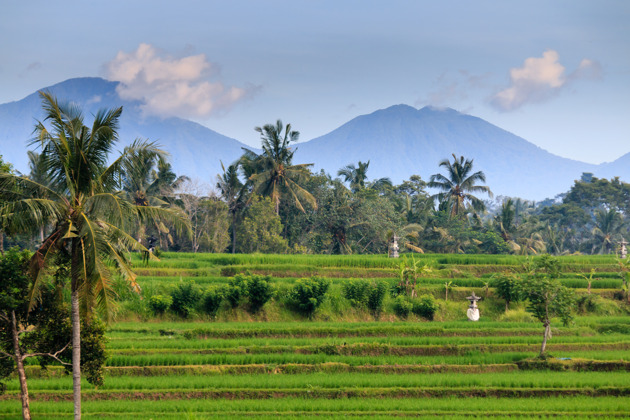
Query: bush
376, 297
212, 300
259, 291
402, 307
160, 303
255, 289
185, 299
596, 304
356, 291
425, 306
308, 294
507, 288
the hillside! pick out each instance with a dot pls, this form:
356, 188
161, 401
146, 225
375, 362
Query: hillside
195, 150
400, 141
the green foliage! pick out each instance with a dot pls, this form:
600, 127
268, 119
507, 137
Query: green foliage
260, 230
366, 294
256, 290
547, 299
356, 291
402, 307
259, 291
93, 354
185, 299
425, 306
308, 294
160, 303
212, 300
376, 297
507, 288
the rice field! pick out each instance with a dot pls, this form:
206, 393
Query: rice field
170, 368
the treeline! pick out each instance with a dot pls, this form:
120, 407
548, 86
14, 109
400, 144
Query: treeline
267, 203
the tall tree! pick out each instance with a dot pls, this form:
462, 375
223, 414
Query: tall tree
458, 186
272, 173
608, 224
355, 176
90, 219
233, 192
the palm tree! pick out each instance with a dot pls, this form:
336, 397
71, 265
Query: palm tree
356, 177
89, 217
143, 185
608, 224
233, 192
272, 173
458, 185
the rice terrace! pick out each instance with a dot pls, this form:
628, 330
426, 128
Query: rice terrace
301, 210
223, 359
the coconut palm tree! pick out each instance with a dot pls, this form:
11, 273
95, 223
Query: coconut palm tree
272, 173
89, 218
356, 177
457, 186
608, 224
233, 192
148, 180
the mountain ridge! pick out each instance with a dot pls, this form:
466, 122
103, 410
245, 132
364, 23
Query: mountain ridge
399, 141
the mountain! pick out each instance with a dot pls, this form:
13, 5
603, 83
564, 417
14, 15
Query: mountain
400, 141
195, 150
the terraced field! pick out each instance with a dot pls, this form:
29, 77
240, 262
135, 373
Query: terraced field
169, 368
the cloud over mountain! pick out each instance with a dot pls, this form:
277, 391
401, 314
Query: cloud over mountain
540, 79
169, 86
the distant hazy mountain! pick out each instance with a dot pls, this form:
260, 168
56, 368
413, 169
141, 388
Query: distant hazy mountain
195, 150
400, 141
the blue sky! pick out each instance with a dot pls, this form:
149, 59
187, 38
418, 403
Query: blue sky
556, 73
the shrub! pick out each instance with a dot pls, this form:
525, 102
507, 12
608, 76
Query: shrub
507, 288
259, 291
596, 304
308, 294
425, 306
356, 291
402, 307
256, 289
160, 303
235, 290
185, 299
376, 297
212, 300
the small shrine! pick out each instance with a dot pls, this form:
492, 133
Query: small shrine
393, 248
473, 309
624, 250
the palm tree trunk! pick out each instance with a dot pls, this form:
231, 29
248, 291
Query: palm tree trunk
76, 354
234, 233
76, 329
26, 411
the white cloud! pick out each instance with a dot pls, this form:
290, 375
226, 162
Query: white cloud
538, 80
170, 86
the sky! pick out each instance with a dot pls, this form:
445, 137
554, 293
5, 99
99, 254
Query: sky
556, 73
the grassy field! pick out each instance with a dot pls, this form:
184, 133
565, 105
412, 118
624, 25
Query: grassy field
343, 362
